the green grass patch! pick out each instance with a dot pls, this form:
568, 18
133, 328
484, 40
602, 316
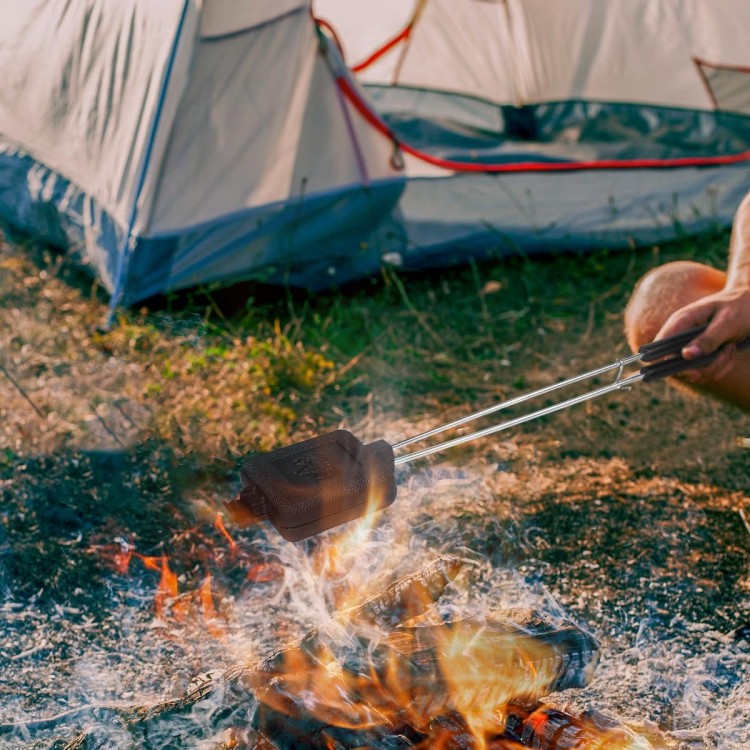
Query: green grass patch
218, 374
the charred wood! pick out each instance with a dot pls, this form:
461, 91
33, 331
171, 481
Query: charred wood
370, 679
410, 683
232, 691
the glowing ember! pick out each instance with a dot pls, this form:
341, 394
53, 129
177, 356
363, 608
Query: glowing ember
264, 572
546, 728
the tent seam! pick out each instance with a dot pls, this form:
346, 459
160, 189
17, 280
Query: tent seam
118, 290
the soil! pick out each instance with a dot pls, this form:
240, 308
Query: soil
655, 567
630, 516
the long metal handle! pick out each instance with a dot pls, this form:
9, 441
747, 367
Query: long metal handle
656, 350
618, 365
670, 345
616, 386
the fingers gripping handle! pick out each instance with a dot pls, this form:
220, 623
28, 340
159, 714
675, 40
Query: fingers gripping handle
676, 364
669, 345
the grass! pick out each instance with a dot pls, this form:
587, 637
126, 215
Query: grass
215, 373
624, 510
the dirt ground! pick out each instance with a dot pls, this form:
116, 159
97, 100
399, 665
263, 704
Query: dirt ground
630, 515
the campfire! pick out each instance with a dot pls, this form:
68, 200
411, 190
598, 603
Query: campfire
377, 676
368, 637
381, 674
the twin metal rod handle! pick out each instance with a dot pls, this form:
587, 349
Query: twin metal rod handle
325, 481
656, 350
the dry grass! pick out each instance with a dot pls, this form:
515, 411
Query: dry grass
625, 511
179, 379
215, 374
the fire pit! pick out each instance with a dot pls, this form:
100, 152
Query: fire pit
561, 620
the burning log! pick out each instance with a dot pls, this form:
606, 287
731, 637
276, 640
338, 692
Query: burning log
399, 685
547, 728
370, 679
232, 691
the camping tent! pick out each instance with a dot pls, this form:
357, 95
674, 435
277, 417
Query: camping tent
188, 141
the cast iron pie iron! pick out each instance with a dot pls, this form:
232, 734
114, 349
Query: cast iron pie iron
318, 484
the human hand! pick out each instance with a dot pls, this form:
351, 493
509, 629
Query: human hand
728, 316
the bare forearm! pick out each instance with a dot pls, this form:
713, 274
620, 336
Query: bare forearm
738, 270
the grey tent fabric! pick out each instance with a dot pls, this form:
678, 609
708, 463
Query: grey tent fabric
188, 142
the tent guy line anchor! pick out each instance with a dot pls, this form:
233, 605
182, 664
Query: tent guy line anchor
22, 391
317, 484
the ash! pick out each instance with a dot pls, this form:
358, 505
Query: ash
656, 568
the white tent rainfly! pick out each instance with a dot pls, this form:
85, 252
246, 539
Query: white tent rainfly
190, 141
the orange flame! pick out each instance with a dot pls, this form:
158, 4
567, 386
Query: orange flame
222, 529
191, 604
334, 560
211, 618
471, 679
485, 683
167, 594
478, 687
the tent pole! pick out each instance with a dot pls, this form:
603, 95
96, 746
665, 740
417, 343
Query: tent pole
129, 240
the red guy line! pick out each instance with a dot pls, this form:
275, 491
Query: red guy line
402, 36
531, 166
722, 66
